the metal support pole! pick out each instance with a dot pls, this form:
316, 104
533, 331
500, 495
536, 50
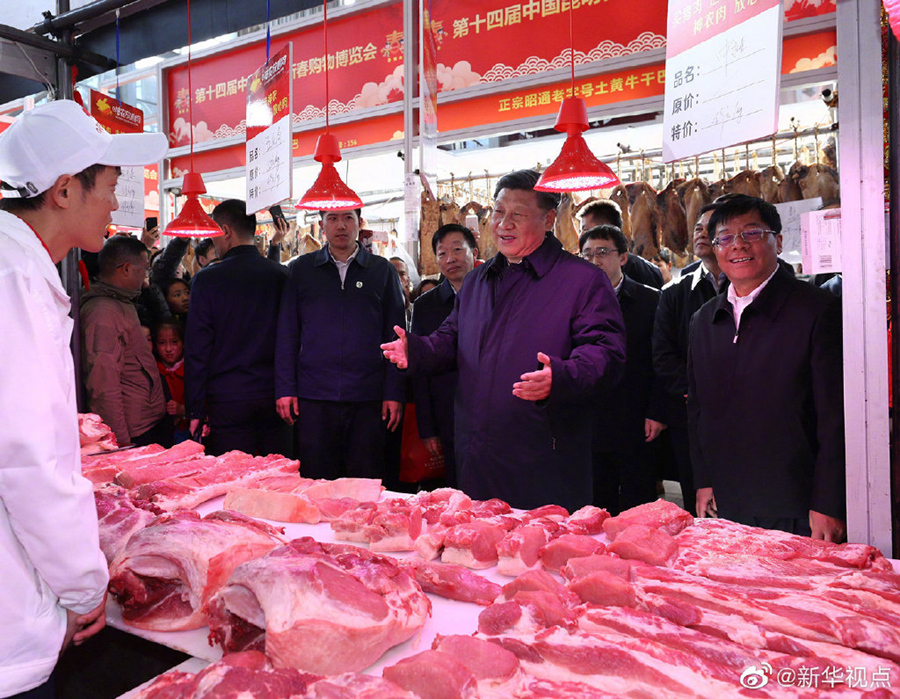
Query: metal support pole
894, 150
863, 256
411, 80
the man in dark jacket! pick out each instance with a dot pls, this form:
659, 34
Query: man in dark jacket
631, 415
605, 212
765, 386
230, 345
678, 302
455, 249
535, 333
339, 304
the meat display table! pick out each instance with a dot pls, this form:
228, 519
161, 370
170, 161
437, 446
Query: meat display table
447, 616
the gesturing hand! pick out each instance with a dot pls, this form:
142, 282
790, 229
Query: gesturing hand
397, 352
535, 385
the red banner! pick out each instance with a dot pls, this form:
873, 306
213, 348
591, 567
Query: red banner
365, 68
483, 41
115, 116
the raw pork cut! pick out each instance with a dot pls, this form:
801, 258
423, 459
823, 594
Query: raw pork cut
102, 468
433, 675
183, 458
558, 552
659, 515
326, 608
519, 550
120, 515
168, 571
473, 545
231, 470
454, 582
641, 543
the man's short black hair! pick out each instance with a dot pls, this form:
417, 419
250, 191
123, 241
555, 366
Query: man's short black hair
87, 178
525, 180
449, 228
741, 204
605, 232
233, 213
604, 209
116, 251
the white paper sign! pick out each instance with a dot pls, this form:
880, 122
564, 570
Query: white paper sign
723, 90
130, 193
821, 245
790, 213
269, 166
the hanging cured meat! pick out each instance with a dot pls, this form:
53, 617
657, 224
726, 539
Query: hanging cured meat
645, 223
483, 235
818, 181
696, 196
673, 224
746, 182
564, 228
620, 197
789, 189
769, 180
430, 221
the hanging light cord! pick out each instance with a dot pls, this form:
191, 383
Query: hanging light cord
190, 89
325, 33
268, 29
572, 44
118, 61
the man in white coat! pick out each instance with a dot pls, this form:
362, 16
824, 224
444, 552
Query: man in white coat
58, 173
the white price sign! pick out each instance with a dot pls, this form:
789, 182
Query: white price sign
723, 72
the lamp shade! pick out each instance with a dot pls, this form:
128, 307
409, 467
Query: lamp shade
329, 193
193, 221
575, 168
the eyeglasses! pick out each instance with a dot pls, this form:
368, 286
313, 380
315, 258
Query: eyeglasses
726, 240
598, 252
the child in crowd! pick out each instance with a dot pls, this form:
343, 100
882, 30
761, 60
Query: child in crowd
168, 346
178, 296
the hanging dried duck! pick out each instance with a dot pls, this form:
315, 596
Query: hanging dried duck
565, 227
620, 196
769, 181
696, 196
673, 229
429, 222
644, 222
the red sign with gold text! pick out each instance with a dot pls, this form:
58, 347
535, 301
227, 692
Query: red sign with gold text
484, 41
115, 116
365, 68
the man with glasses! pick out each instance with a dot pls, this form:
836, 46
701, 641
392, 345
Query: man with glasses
630, 415
122, 381
765, 386
534, 333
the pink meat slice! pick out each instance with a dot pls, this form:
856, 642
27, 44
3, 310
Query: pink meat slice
484, 659
433, 675
558, 552
328, 608
245, 674
354, 685
171, 462
661, 514
361, 489
395, 529
168, 571
233, 469
519, 550
577, 567
587, 520
455, 582
272, 504
119, 515
103, 468
541, 581
473, 545
604, 588
641, 543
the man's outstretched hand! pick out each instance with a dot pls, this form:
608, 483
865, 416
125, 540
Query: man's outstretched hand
397, 352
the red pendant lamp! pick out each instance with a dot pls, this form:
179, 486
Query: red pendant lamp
328, 193
575, 168
192, 221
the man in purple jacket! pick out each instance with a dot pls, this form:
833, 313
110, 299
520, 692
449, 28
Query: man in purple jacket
535, 333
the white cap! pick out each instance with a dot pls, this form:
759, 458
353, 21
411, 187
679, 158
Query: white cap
60, 138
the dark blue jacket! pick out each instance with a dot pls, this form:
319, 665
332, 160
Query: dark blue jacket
230, 344
434, 395
765, 405
621, 412
329, 334
527, 453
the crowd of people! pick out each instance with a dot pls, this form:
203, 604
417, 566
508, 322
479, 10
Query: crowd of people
540, 376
